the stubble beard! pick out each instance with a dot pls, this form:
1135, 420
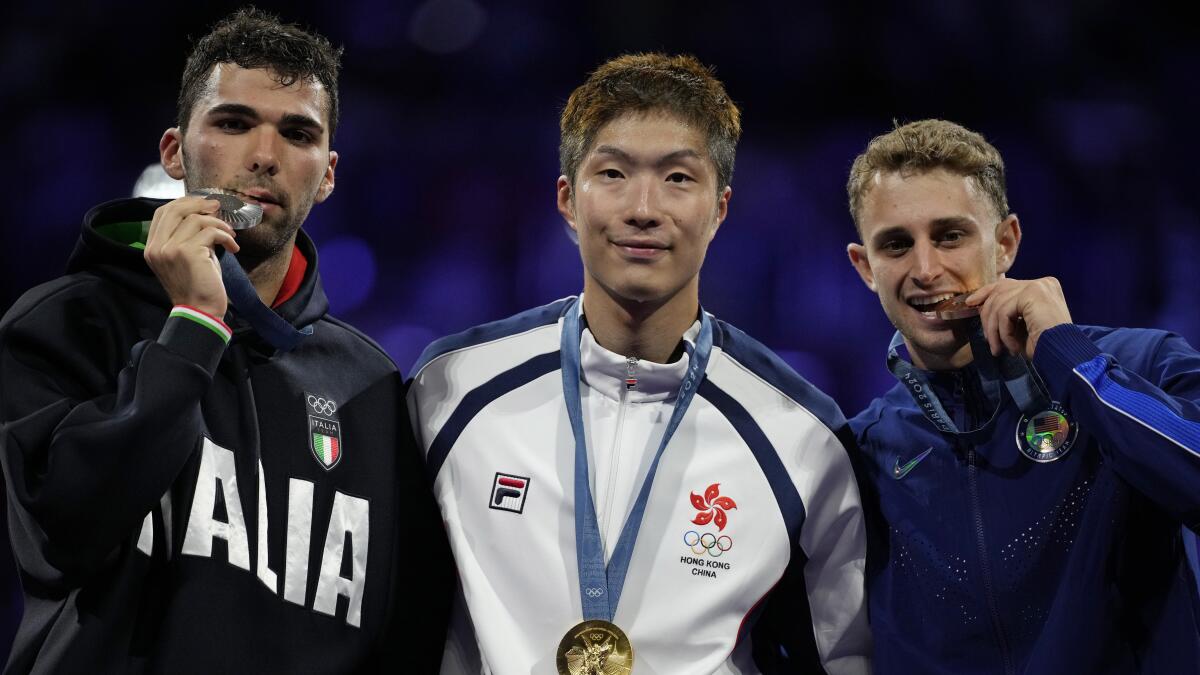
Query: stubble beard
271, 238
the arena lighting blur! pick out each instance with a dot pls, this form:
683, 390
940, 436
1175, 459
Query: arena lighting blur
446, 26
347, 272
154, 183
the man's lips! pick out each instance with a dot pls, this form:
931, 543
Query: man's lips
641, 248
261, 197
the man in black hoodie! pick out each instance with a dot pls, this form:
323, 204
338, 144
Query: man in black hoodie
205, 472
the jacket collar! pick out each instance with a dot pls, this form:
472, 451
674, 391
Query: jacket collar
606, 371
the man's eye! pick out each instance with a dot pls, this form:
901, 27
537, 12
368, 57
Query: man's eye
231, 124
894, 246
298, 135
611, 173
953, 236
680, 177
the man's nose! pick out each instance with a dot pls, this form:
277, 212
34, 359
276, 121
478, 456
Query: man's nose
644, 211
927, 263
263, 157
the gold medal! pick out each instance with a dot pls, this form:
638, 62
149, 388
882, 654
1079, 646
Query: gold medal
595, 647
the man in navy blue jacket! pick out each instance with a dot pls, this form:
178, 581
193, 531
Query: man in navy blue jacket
1026, 479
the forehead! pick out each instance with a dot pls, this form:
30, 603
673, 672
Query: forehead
896, 199
260, 89
649, 134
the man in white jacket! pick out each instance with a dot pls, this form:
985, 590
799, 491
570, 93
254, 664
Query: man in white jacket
628, 482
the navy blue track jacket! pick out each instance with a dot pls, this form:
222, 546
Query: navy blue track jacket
983, 561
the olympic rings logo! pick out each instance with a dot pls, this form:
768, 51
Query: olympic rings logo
707, 543
321, 405
594, 592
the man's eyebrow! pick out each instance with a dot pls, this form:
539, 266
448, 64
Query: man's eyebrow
888, 234
298, 120
289, 119
952, 221
233, 109
686, 153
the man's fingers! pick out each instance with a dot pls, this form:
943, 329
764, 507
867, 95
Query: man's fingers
212, 237
169, 216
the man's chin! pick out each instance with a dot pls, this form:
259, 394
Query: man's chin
263, 242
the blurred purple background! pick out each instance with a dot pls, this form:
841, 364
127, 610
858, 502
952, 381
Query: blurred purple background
444, 212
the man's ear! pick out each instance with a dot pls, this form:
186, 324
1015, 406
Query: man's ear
1008, 240
858, 257
327, 181
566, 204
170, 153
722, 210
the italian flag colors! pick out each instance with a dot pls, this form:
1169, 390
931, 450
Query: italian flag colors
204, 319
326, 448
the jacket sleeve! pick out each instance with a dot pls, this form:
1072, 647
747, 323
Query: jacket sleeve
89, 446
833, 541
1147, 424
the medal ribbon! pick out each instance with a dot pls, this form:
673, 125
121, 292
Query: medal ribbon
1017, 375
245, 301
600, 585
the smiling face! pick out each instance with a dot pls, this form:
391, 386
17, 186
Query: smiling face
268, 142
926, 237
645, 206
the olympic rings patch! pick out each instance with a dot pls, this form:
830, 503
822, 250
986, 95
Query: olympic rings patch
594, 592
322, 405
707, 543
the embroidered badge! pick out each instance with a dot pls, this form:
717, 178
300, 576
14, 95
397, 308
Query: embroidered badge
508, 492
324, 430
1046, 436
705, 547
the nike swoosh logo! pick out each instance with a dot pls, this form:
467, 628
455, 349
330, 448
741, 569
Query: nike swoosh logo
899, 472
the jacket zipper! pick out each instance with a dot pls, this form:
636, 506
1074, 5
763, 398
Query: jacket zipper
630, 384
971, 402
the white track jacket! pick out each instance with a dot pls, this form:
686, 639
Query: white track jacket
754, 505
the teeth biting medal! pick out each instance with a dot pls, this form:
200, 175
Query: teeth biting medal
240, 214
954, 308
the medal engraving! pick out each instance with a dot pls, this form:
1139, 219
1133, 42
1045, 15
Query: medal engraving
1046, 436
595, 647
240, 215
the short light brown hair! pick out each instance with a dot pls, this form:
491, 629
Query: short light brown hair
925, 145
679, 85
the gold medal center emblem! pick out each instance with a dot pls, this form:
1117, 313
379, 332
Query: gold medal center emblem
595, 647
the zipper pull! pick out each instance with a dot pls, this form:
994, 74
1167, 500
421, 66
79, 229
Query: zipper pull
631, 373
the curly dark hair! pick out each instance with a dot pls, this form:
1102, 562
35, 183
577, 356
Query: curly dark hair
252, 38
679, 85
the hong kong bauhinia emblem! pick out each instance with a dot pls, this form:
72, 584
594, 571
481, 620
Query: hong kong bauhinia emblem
713, 507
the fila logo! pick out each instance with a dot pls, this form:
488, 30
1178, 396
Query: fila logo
508, 492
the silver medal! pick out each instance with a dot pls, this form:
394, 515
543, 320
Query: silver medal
240, 214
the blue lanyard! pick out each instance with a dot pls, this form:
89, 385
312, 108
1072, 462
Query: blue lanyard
269, 325
599, 585
1018, 376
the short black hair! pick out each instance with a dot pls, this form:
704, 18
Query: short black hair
252, 38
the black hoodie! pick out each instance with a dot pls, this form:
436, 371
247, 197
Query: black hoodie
179, 505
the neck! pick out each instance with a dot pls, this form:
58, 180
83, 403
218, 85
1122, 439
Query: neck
267, 276
643, 330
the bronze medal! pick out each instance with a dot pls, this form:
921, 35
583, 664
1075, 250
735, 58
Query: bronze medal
955, 308
595, 647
